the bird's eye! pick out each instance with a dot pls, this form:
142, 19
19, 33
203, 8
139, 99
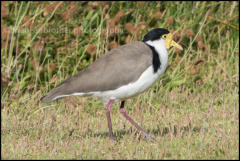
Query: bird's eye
164, 37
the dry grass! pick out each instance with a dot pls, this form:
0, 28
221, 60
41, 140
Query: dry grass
192, 111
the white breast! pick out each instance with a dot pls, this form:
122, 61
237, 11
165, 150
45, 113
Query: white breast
144, 82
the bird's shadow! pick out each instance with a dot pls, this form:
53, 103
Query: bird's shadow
159, 131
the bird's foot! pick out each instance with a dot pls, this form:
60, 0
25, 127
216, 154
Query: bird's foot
112, 141
149, 138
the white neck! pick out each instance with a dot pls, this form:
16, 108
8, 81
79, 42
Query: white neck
160, 47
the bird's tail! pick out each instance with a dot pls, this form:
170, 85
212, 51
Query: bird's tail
53, 94
46, 99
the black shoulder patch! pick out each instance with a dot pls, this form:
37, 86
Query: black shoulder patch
156, 60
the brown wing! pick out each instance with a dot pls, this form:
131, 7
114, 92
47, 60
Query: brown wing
117, 67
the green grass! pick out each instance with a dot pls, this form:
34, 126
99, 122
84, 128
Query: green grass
192, 111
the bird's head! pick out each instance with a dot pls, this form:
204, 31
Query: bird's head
162, 36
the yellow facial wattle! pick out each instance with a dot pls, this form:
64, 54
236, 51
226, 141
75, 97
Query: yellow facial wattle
170, 42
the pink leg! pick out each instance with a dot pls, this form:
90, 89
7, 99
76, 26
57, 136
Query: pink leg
109, 119
123, 112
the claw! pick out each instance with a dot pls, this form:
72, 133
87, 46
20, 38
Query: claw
112, 141
149, 138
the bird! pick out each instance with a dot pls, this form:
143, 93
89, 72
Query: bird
121, 73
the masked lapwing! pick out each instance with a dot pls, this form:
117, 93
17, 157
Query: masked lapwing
121, 73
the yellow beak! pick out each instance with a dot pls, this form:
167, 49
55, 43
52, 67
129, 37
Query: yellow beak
170, 42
